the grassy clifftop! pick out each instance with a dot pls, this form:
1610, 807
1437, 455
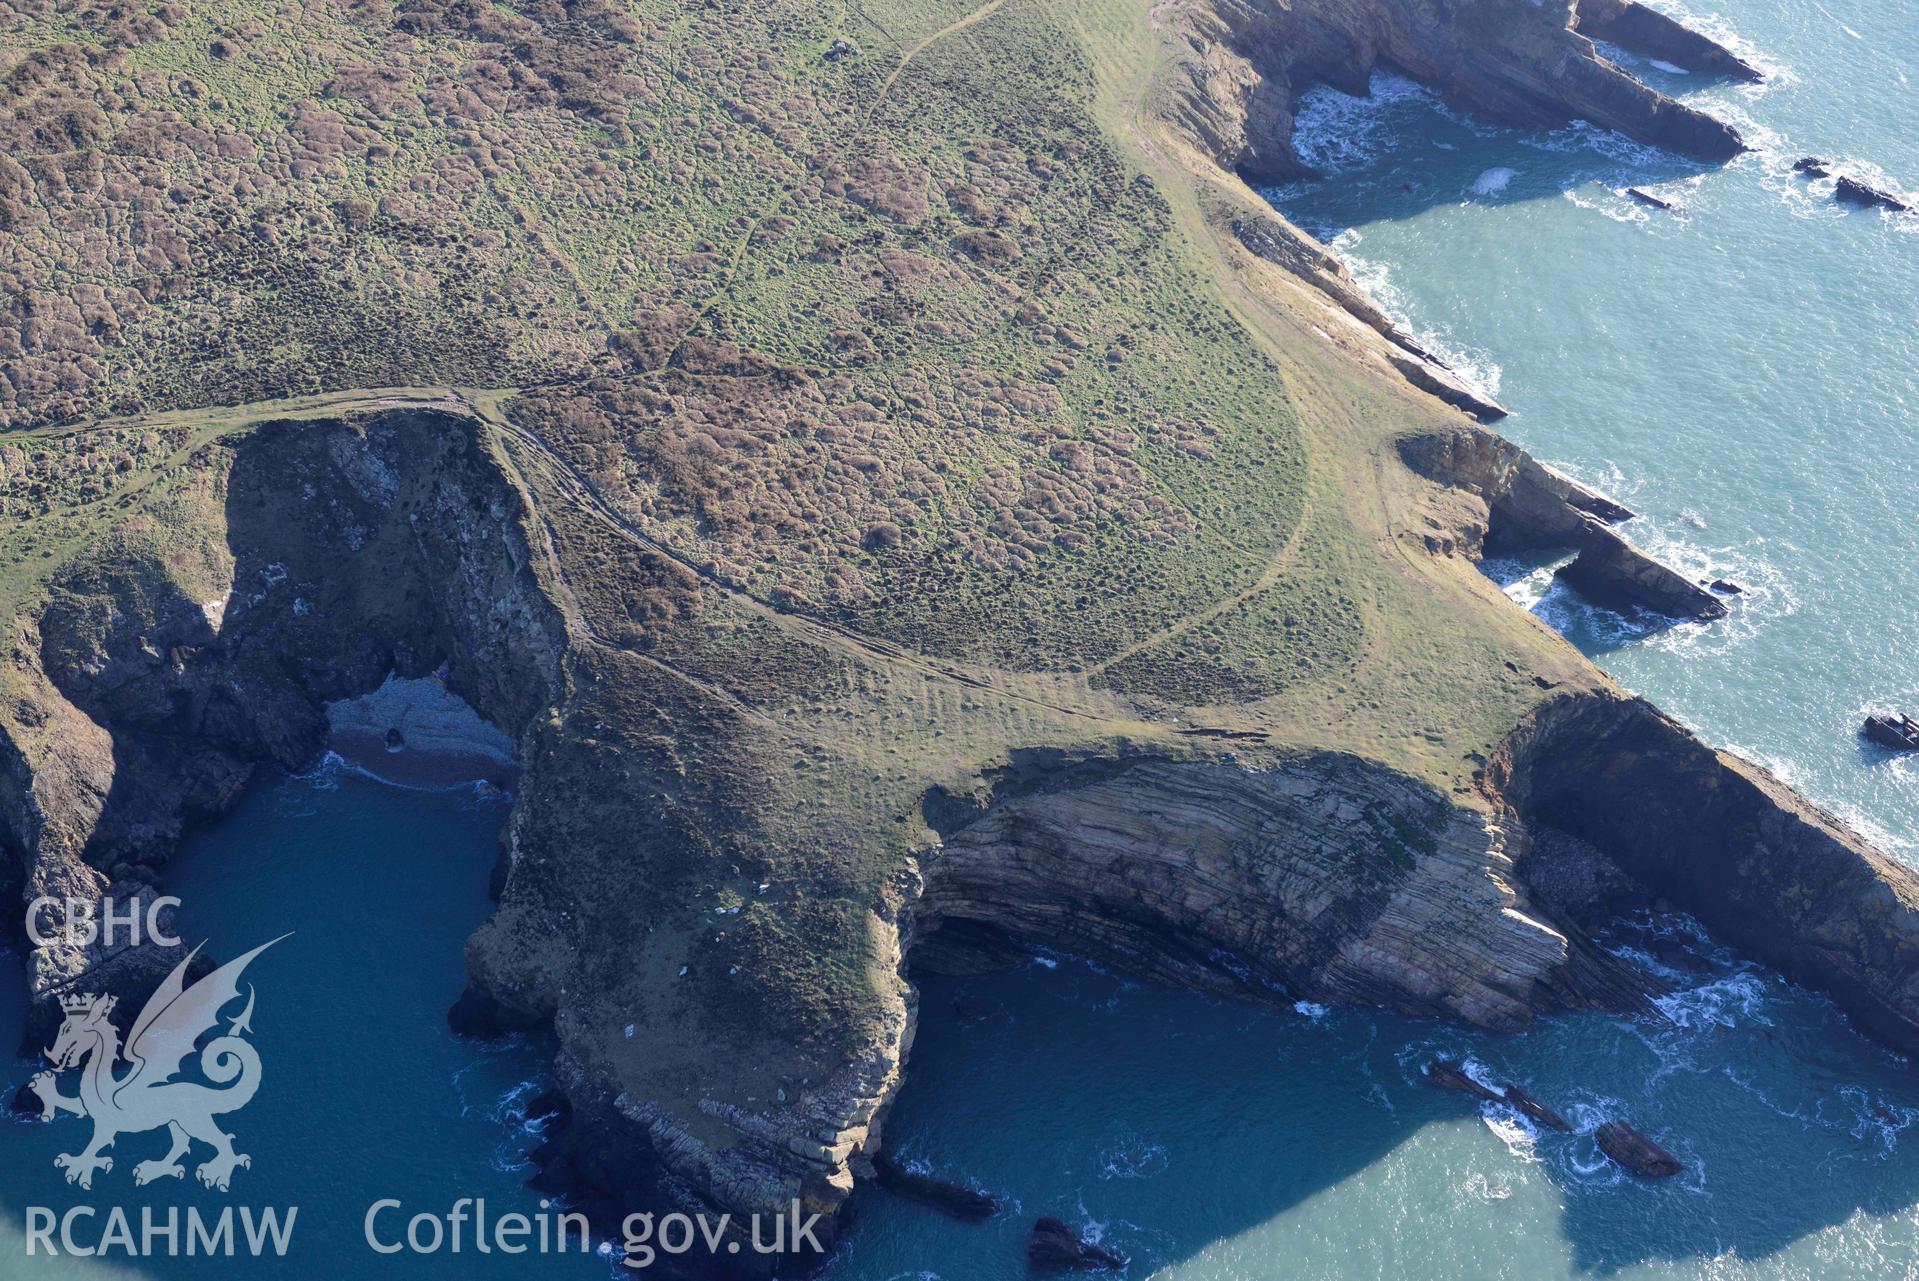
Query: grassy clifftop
910, 317
876, 395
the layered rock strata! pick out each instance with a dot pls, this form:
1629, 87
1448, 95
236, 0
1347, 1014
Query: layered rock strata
1327, 879
1529, 506
1523, 64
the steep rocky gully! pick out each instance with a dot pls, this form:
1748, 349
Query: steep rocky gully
400, 542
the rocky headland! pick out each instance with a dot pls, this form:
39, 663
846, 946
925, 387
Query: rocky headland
1150, 631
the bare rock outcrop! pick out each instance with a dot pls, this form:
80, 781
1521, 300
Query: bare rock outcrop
1329, 879
1894, 730
1530, 506
1513, 61
1647, 31
1636, 1152
1764, 870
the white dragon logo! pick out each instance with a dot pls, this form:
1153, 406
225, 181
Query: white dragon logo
147, 1097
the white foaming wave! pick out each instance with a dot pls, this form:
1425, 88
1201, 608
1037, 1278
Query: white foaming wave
1508, 571
1592, 1168
1771, 1105
1616, 147
1413, 1056
1311, 1009
510, 1156
1620, 208
1478, 1072
332, 767
1876, 1119
1767, 593
1589, 1167
1615, 54
1474, 367
1687, 931
1566, 611
1091, 1230
326, 772
1336, 132
1494, 181
1512, 1128
1647, 961
1902, 845
1773, 155
1869, 172
1727, 1002
1480, 1188
1669, 68
1134, 1160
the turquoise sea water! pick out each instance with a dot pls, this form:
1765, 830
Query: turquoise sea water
1741, 373
364, 1093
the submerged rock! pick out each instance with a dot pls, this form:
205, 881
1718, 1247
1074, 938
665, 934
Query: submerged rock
1646, 198
956, 1199
1637, 1153
1812, 167
1536, 1111
1726, 586
1448, 1075
1896, 731
1056, 1244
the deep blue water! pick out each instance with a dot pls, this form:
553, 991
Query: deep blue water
364, 1092
1743, 374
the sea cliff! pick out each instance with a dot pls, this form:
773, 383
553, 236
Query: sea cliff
982, 525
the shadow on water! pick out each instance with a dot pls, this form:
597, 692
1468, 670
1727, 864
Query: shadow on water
1595, 630
1214, 1141
364, 1092
1402, 151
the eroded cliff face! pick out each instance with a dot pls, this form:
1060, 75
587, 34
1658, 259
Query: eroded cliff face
1336, 879
1523, 505
745, 814
646, 878
1329, 879
1513, 61
307, 563
1764, 869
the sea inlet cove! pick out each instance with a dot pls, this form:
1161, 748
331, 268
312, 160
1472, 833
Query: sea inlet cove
959, 640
